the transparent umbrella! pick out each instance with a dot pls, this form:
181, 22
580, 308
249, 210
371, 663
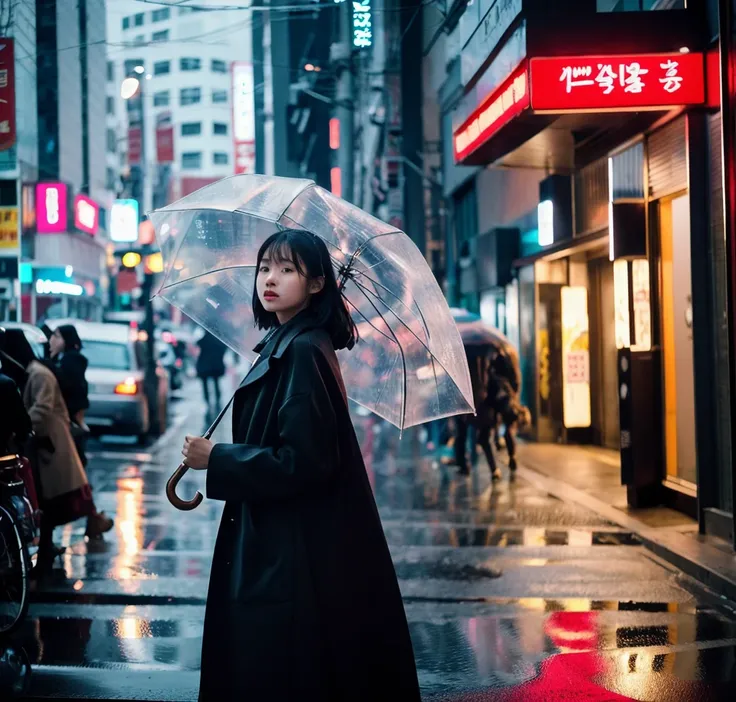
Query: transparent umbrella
409, 366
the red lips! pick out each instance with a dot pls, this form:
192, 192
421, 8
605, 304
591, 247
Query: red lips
270, 295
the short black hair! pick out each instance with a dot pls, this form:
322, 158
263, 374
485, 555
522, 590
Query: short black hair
311, 258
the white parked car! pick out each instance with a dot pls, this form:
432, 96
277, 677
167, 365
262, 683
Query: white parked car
115, 375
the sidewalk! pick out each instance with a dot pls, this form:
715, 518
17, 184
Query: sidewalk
590, 477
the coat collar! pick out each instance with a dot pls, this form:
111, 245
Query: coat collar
275, 343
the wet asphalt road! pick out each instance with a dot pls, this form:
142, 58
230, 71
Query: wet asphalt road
510, 594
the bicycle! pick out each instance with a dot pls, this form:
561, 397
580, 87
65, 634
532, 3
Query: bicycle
17, 530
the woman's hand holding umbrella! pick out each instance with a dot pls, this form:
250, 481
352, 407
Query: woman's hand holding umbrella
197, 452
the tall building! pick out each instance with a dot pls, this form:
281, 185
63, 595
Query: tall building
18, 143
175, 134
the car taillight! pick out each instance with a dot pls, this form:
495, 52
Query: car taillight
128, 387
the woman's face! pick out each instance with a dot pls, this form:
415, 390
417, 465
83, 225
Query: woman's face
282, 289
56, 344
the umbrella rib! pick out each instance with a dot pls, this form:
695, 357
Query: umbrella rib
366, 292
202, 275
403, 360
368, 321
293, 200
396, 297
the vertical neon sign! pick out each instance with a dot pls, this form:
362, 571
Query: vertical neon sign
362, 24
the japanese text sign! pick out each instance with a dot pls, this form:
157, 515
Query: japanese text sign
51, 208
86, 214
502, 105
616, 82
7, 94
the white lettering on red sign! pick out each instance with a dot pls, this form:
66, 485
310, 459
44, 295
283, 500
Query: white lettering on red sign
629, 76
86, 214
513, 94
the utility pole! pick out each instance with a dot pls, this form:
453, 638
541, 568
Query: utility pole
342, 55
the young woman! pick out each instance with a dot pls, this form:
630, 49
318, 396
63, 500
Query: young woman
303, 595
69, 367
65, 491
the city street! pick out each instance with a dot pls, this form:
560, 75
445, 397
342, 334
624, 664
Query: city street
511, 594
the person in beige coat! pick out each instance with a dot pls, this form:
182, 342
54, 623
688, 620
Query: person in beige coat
65, 491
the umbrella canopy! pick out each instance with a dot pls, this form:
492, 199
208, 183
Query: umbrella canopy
409, 366
475, 334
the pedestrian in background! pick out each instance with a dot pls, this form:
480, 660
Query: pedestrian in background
70, 366
304, 601
65, 493
210, 368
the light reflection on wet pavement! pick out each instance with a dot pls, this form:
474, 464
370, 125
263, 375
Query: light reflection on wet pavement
510, 594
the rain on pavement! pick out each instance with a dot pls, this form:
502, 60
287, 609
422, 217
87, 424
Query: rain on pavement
510, 594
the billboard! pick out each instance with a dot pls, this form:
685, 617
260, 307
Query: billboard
124, 221
7, 94
86, 214
51, 208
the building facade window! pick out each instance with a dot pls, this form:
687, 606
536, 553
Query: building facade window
161, 36
191, 128
112, 141
126, 22
139, 40
161, 68
188, 63
186, 10
220, 158
219, 66
190, 96
110, 105
219, 96
111, 181
139, 19
161, 98
110, 71
191, 160
130, 65
160, 15
219, 129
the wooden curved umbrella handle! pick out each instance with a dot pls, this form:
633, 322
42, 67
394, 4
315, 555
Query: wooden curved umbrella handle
183, 505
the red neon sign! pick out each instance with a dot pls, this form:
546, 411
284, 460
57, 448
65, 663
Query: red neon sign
600, 83
500, 107
86, 214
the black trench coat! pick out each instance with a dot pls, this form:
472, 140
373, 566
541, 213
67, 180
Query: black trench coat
303, 601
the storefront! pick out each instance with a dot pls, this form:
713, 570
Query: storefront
65, 275
607, 294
